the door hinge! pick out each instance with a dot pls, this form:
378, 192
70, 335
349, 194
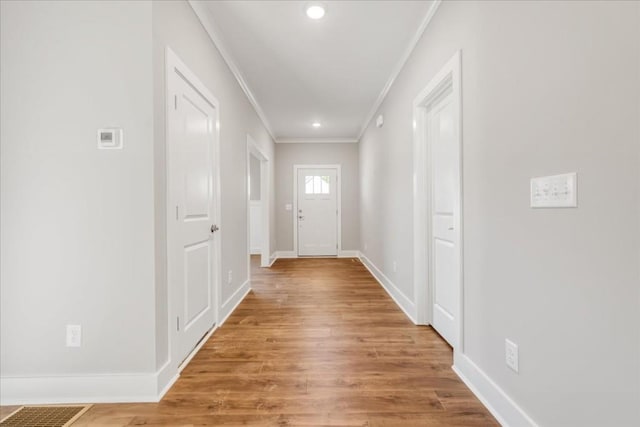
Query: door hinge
176, 212
175, 102
178, 323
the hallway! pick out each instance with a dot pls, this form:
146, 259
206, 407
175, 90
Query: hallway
317, 342
472, 168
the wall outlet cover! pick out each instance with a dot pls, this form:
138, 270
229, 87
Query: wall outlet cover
74, 335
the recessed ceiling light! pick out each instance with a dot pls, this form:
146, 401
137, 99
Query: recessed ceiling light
316, 10
316, 124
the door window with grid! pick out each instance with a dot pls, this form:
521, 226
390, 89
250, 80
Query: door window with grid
317, 184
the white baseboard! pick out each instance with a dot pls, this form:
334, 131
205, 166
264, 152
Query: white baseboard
103, 388
396, 294
166, 378
286, 254
115, 388
233, 301
349, 254
501, 406
273, 258
292, 254
255, 251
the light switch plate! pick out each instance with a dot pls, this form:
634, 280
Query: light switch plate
557, 191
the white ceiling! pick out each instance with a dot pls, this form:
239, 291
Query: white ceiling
335, 70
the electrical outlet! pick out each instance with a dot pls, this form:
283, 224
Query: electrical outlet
74, 335
511, 354
395, 267
230, 277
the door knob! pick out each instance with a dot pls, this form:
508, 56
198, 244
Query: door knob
300, 217
214, 228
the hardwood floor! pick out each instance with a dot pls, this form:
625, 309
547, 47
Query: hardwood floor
317, 342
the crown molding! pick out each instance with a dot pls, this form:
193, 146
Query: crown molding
400, 65
316, 140
208, 23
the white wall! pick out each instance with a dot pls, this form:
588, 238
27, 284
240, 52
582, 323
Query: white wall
77, 228
255, 227
255, 206
83, 236
346, 155
254, 177
548, 87
176, 25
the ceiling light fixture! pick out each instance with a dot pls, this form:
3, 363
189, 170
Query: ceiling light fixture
315, 10
316, 124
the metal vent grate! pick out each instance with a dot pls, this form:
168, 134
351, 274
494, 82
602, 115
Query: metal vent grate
45, 416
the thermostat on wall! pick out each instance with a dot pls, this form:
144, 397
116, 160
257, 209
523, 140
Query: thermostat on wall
110, 139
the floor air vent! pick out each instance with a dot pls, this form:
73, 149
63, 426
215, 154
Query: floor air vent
45, 416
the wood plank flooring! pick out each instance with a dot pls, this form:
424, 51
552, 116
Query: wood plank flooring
317, 342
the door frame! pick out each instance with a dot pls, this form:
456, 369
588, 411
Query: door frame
294, 212
174, 65
265, 202
449, 77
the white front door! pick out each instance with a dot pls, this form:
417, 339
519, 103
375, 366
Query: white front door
445, 210
317, 216
192, 214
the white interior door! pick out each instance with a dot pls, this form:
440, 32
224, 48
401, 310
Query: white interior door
317, 216
192, 214
445, 211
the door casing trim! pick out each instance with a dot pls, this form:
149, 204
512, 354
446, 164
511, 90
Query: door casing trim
265, 201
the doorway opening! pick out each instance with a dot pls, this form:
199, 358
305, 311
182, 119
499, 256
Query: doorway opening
258, 204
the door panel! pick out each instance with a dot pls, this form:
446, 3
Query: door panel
443, 275
196, 153
197, 262
191, 191
317, 216
444, 210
